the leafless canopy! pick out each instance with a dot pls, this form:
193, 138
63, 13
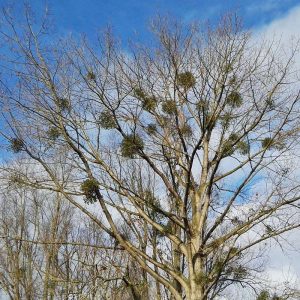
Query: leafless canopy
185, 146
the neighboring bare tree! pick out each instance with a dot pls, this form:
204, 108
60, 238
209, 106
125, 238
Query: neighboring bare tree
48, 252
184, 149
18, 259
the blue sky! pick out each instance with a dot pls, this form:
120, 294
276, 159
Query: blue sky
131, 16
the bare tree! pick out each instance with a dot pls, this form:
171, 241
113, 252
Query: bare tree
18, 259
49, 252
185, 150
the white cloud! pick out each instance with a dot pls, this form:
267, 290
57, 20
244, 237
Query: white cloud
283, 266
285, 27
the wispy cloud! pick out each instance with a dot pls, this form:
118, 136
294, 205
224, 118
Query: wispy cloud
287, 25
197, 14
263, 6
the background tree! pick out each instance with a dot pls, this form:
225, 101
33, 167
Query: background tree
50, 252
184, 151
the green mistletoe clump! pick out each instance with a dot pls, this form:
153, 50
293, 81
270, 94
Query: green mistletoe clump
169, 107
186, 80
64, 104
90, 75
148, 102
131, 145
234, 99
16, 145
151, 128
53, 133
106, 120
90, 187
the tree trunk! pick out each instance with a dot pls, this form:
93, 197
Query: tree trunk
49, 289
196, 291
197, 270
157, 284
177, 263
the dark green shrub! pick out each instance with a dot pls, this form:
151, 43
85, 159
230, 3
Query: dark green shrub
268, 143
153, 205
186, 130
90, 187
226, 119
16, 145
169, 107
90, 75
234, 99
106, 120
131, 145
186, 80
53, 133
263, 295
230, 145
240, 272
151, 128
227, 149
243, 147
270, 103
64, 104
148, 103
139, 93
